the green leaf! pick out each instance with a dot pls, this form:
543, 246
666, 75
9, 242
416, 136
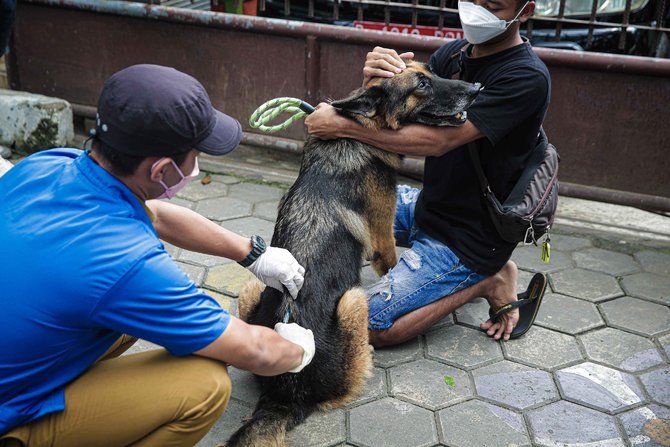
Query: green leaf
450, 381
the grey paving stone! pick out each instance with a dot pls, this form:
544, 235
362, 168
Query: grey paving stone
462, 347
657, 384
515, 385
495, 426
225, 179
201, 259
196, 273
255, 193
567, 243
266, 210
665, 343
528, 258
245, 386
429, 384
606, 261
391, 422
654, 262
567, 314
181, 202
648, 285
248, 226
621, 349
600, 387
228, 279
171, 249
395, 355
565, 423
637, 315
368, 276
543, 348
585, 284
446, 321
522, 280
647, 426
223, 208
195, 190
232, 419
141, 346
473, 313
375, 387
320, 429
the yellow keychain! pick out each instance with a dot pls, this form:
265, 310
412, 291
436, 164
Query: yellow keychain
545, 250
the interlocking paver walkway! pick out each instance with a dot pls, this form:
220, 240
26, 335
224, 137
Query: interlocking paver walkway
594, 371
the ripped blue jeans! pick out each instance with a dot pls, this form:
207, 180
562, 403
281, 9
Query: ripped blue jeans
426, 272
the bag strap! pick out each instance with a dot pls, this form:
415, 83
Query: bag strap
483, 181
455, 68
455, 59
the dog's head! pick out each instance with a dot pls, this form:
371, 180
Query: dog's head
416, 95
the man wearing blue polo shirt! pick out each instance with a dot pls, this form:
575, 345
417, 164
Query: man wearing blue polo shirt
84, 275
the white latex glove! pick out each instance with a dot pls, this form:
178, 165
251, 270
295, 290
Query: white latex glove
301, 337
277, 267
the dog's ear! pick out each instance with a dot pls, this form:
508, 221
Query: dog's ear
362, 102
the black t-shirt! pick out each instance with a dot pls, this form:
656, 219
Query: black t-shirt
509, 112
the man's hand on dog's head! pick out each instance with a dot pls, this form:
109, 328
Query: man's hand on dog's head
383, 62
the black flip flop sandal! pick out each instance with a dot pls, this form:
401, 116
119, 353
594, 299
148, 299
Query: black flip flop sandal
528, 303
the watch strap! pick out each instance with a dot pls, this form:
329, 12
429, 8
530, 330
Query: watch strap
258, 247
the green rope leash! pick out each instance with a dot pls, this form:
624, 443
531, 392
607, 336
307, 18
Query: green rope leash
273, 108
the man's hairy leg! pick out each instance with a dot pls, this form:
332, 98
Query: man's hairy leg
498, 289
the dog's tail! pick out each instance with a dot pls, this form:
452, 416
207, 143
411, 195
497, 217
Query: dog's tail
269, 424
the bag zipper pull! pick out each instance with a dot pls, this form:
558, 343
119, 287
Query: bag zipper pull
545, 250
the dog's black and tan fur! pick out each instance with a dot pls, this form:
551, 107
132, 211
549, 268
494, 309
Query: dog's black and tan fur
339, 211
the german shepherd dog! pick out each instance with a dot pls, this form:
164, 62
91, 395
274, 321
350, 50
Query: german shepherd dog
339, 210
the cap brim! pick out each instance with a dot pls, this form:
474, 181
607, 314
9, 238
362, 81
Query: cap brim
225, 136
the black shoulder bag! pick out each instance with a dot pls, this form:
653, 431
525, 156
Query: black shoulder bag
528, 212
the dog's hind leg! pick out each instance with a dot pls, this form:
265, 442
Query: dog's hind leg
352, 315
380, 214
250, 295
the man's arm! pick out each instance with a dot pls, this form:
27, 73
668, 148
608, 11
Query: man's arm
254, 348
189, 230
413, 139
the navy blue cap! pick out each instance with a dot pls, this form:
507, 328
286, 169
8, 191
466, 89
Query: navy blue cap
151, 110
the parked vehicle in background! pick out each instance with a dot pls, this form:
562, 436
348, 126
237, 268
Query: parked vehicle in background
635, 27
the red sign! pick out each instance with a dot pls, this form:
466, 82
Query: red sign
449, 33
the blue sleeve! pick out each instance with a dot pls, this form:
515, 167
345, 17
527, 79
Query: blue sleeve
156, 301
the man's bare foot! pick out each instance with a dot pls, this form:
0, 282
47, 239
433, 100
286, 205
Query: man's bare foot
502, 291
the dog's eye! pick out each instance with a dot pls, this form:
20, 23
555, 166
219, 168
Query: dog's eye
423, 84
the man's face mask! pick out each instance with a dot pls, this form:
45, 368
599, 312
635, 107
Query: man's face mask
171, 191
481, 25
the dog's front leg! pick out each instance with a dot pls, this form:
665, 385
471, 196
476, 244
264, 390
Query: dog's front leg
380, 215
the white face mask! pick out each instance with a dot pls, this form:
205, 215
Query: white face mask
171, 191
481, 25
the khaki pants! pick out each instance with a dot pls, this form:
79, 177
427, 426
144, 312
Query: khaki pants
146, 399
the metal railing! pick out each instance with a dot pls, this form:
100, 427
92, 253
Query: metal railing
647, 19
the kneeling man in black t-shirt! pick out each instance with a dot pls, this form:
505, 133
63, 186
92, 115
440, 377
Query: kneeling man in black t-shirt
456, 254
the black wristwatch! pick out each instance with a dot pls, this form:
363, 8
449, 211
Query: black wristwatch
258, 247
